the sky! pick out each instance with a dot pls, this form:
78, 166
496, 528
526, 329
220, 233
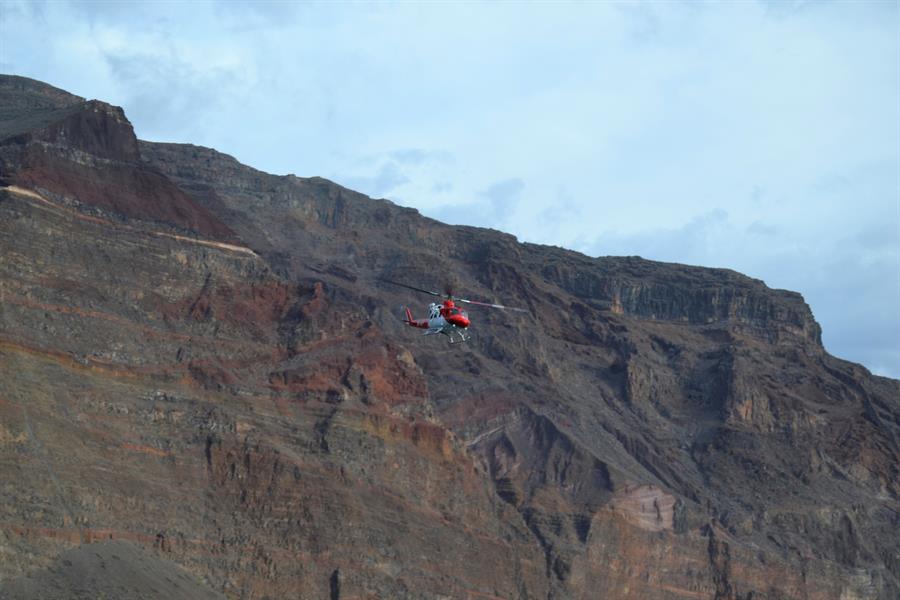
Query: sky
758, 136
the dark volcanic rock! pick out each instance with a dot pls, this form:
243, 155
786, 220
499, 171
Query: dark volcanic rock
28, 105
256, 412
117, 569
86, 153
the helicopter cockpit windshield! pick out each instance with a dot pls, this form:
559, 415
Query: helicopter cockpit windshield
434, 310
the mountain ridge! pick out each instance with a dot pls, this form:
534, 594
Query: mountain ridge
663, 431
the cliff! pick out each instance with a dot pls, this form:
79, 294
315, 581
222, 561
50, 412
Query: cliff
200, 359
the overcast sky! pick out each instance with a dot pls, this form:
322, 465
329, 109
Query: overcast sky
758, 136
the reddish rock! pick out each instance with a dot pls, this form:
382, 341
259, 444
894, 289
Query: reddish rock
199, 359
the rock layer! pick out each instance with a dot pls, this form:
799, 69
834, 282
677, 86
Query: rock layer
202, 361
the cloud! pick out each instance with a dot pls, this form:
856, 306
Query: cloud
878, 236
387, 178
251, 16
556, 214
502, 197
391, 173
762, 229
492, 206
849, 293
166, 113
686, 244
419, 156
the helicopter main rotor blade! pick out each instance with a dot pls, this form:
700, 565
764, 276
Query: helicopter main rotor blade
412, 288
449, 294
490, 305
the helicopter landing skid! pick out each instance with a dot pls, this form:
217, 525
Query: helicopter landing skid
456, 335
459, 340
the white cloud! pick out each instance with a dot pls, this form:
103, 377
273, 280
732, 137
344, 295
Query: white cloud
387, 179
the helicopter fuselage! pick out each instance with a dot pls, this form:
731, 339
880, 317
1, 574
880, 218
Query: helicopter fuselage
446, 319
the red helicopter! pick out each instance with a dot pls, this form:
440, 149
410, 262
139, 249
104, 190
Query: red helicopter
446, 318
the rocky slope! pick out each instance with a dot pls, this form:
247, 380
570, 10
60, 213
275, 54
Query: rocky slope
199, 358
116, 569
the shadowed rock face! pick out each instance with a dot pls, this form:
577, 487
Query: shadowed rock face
199, 359
115, 569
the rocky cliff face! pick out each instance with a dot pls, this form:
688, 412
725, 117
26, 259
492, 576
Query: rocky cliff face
199, 359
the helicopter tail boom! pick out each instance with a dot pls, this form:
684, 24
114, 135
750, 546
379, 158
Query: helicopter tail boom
420, 323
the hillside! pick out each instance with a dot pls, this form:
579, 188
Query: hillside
201, 359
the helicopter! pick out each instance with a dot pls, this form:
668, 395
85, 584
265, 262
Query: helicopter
446, 318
